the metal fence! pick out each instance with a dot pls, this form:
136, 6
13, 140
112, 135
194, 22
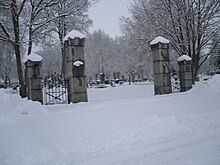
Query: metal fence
54, 89
175, 83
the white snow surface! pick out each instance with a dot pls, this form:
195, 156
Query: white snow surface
78, 63
13, 108
33, 57
73, 34
124, 125
159, 39
184, 58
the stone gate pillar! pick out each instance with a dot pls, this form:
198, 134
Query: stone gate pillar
161, 65
185, 72
33, 77
75, 67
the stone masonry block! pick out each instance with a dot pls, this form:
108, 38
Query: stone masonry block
162, 80
183, 89
35, 95
35, 84
161, 67
162, 90
77, 97
78, 53
77, 85
186, 83
159, 46
68, 69
68, 51
161, 55
185, 68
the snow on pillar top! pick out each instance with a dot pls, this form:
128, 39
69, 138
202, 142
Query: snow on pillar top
78, 63
184, 58
34, 57
73, 34
159, 39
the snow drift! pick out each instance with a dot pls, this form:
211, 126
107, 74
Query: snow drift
13, 108
122, 125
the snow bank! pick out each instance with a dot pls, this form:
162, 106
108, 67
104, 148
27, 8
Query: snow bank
159, 39
211, 85
125, 125
184, 58
13, 107
73, 34
33, 57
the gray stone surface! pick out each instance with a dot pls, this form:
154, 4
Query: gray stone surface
34, 80
35, 95
159, 46
185, 73
75, 75
184, 67
78, 97
77, 84
162, 55
35, 84
161, 68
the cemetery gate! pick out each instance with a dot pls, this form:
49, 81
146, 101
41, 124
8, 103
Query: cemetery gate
55, 89
175, 82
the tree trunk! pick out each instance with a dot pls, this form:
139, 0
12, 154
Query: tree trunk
62, 32
23, 92
195, 67
199, 38
15, 20
30, 40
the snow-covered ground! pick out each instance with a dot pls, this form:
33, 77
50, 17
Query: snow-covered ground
125, 125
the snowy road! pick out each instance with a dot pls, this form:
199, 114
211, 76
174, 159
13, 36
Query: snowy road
125, 125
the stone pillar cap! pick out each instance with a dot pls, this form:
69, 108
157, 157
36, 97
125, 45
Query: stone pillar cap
159, 39
184, 58
34, 57
73, 34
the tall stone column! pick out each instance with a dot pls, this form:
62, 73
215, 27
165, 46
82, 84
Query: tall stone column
185, 72
161, 65
33, 77
75, 67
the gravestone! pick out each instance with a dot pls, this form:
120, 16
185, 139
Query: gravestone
74, 70
33, 77
161, 65
185, 72
102, 78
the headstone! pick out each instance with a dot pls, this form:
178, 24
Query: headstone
33, 77
75, 67
102, 78
161, 65
185, 72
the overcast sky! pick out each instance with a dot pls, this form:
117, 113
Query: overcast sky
105, 15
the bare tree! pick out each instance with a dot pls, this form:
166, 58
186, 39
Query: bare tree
10, 32
36, 17
214, 58
189, 24
52, 58
7, 61
22, 21
134, 45
73, 15
101, 54
134, 58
